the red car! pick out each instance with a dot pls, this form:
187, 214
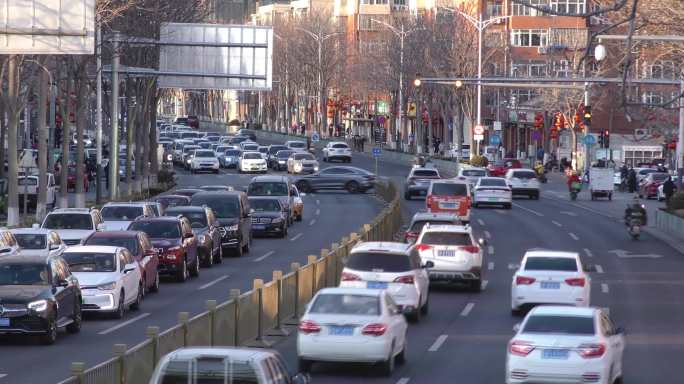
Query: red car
140, 246
500, 167
71, 179
649, 185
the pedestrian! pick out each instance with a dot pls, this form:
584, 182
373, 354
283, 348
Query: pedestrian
668, 189
363, 143
623, 177
435, 144
631, 180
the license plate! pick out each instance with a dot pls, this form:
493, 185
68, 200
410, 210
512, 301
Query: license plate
421, 193
558, 354
550, 285
4, 322
448, 205
493, 199
446, 253
341, 331
376, 285
258, 226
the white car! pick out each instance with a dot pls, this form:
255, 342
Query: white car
471, 174
39, 242
296, 145
178, 146
109, 277
204, 160
550, 277
300, 162
118, 216
251, 162
454, 254
249, 146
352, 325
73, 224
337, 150
395, 267
560, 344
492, 191
523, 182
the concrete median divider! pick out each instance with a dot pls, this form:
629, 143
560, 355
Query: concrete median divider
245, 319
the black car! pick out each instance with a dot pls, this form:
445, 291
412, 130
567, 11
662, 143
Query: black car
352, 179
268, 217
272, 150
236, 140
232, 213
205, 228
168, 201
247, 133
279, 160
189, 192
38, 294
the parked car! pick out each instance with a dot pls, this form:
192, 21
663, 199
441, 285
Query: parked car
274, 186
648, 187
232, 212
39, 294
299, 163
421, 219
268, 216
418, 181
492, 191
251, 162
140, 247
73, 224
449, 196
175, 243
352, 179
523, 182
500, 167
206, 229
118, 216
38, 242
337, 150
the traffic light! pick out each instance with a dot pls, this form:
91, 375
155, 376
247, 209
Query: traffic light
587, 115
606, 138
601, 139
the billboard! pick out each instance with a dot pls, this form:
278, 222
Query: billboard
47, 27
215, 56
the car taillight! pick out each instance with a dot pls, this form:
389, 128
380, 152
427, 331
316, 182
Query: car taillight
575, 282
470, 248
591, 351
461, 178
408, 279
346, 276
423, 247
522, 280
521, 348
375, 329
410, 235
308, 326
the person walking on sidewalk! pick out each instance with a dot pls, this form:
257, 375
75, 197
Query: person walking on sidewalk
631, 180
668, 189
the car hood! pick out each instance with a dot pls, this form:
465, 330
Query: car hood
34, 252
116, 225
165, 243
90, 279
21, 294
74, 234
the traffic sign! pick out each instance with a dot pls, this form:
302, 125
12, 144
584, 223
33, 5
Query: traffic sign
589, 140
478, 130
495, 139
376, 151
315, 137
497, 125
478, 137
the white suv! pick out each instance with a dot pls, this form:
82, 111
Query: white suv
454, 254
337, 150
523, 182
204, 160
251, 162
117, 216
73, 224
395, 267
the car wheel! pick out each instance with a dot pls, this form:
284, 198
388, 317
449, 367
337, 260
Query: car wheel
76, 318
414, 317
475, 205
352, 187
426, 307
194, 271
304, 365
476, 286
138, 298
119, 313
387, 367
50, 335
182, 274
401, 357
155, 286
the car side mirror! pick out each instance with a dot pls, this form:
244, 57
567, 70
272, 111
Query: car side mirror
5, 250
62, 283
129, 268
482, 242
516, 327
428, 264
54, 247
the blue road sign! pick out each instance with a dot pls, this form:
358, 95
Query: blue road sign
494, 139
376, 151
315, 137
589, 140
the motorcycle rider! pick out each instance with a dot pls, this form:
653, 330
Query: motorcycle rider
635, 207
573, 178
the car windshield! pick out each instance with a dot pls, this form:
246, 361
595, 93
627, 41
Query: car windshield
172, 201
232, 152
564, 264
223, 207
208, 370
129, 243
90, 261
197, 219
340, 146
446, 238
493, 183
560, 324
379, 262
304, 156
157, 229
250, 147
473, 172
524, 175
267, 189
31, 240
425, 173
265, 205
283, 154
449, 189
23, 274
297, 144
419, 224
123, 213
275, 148
252, 156
68, 221
205, 154
346, 305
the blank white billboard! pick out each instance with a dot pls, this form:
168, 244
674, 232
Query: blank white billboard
47, 27
216, 56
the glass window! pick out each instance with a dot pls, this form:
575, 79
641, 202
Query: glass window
222, 206
523, 10
114, 212
492, 183
23, 274
554, 324
379, 262
198, 219
529, 37
449, 189
157, 229
446, 238
304, 156
251, 156
524, 175
572, 7
265, 205
283, 154
129, 243
340, 146
346, 305
68, 221
425, 173
90, 261
205, 154
539, 263
297, 144
267, 189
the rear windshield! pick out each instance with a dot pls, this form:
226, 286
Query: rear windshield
90, 261
418, 225
554, 324
68, 221
346, 305
379, 262
303, 156
208, 370
524, 174
267, 189
449, 189
283, 154
157, 229
251, 156
205, 154
275, 148
564, 264
173, 201
297, 144
197, 219
129, 243
264, 205
340, 146
425, 172
250, 147
31, 240
223, 207
446, 238
493, 182
473, 172
121, 213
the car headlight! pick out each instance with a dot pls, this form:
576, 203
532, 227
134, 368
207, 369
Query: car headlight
277, 220
297, 167
315, 167
281, 161
169, 157
202, 238
188, 161
232, 228
38, 305
107, 286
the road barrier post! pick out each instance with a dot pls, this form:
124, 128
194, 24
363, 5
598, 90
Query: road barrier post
279, 330
325, 254
183, 318
211, 307
336, 263
234, 295
311, 259
366, 232
152, 333
76, 370
295, 319
119, 352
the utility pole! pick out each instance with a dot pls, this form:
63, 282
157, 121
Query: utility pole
114, 139
98, 115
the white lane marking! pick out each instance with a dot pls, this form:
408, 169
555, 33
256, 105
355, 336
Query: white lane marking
312, 222
529, 210
599, 268
604, 288
3, 375
557, 224
490, 266
295, 237
481, 222
513, 266
318, 202
438, 343
209, 284
125, 323
318, 212
588, 252
487, 234
574, 237
466, 311
490, 249
484, 284
403, 380
501, 212
573, 214
260, 258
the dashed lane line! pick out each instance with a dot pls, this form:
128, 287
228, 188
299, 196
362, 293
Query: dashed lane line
604, 288
438, 343
574, 237
312, 222
318, 202
3, 375
490, 249
490, 266
588, 252
599, 268
261, 258
318, 212
481, 222
484, 284
125, 323
215, 281
466, 311
403, 380
557, 224
529, 210
295, 237
487, 234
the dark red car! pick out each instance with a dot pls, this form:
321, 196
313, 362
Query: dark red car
500, 167
71, 178
140, 246
649, 185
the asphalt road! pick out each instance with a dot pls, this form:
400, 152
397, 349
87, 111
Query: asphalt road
464, 337
327, 217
